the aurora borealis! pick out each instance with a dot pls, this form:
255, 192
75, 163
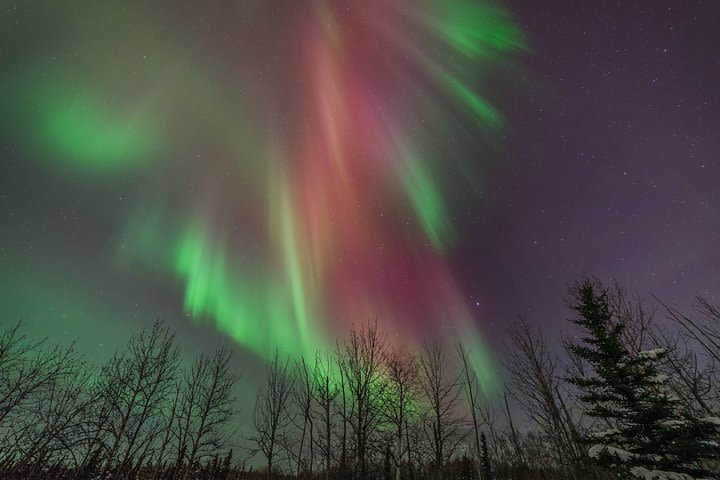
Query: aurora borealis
300, 174
272, 172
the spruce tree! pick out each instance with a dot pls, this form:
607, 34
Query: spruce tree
485, 460
649, 434
464, 469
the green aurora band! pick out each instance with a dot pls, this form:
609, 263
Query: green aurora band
205, 128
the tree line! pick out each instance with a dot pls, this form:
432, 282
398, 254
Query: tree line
624, 394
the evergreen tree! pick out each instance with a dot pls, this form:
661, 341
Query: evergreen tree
485, 459
464, 469
649, 434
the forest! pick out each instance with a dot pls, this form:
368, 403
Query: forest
629, 391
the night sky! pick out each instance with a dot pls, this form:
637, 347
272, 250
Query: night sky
268, 173
611, 164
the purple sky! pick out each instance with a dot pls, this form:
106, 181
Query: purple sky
611, 166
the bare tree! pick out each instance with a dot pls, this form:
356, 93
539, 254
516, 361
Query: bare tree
324, 390
694, 359
513, 434
206, 407
271, 418
62, 419
133, 386
536, 387
40, 400
343, 409
303, 400
633, 313
472, 390
400, 401
48, 428
704, 330
361, 362
27, 367
441, 388
168, 418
